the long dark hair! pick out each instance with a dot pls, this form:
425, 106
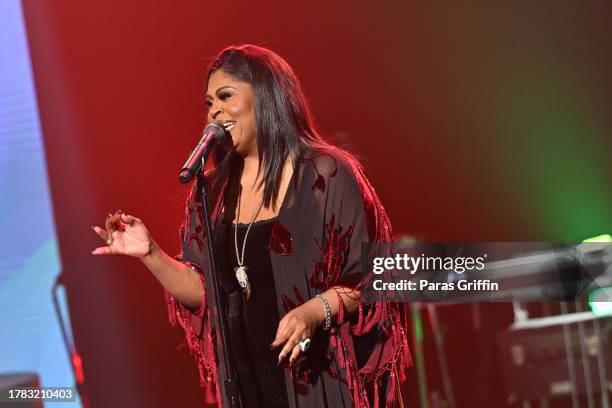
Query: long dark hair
283, 120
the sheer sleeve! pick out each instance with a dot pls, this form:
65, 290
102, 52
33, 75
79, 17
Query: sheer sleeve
199, 334
354, 215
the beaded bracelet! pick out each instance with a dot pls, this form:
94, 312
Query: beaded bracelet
328, 319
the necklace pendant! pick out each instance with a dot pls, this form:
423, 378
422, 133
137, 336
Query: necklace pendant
241, 275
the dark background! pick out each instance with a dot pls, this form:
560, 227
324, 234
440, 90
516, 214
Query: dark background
475, 121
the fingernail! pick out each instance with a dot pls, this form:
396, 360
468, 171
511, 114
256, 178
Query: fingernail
280, 358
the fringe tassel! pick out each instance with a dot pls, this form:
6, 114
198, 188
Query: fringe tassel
202, 350
401, 358
349, 374
341, 361
392, 387
340, 316
360, 321
356, 398
376, 397
171, 308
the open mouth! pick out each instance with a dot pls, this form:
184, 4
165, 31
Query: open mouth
228, 125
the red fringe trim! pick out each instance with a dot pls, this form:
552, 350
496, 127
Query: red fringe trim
379, 231
201, 348
359, 382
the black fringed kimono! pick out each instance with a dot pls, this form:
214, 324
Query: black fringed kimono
328, 211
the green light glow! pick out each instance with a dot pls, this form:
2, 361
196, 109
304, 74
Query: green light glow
600, 238
554, 143
599, 301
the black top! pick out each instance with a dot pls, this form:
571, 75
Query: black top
253, 322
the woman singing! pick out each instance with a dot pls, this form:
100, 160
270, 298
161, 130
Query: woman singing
289, 213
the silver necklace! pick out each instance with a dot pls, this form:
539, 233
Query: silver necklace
241, 269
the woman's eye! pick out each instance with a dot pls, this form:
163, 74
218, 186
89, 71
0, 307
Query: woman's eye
222, 97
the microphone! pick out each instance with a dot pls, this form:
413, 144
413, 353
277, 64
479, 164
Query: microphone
211, 136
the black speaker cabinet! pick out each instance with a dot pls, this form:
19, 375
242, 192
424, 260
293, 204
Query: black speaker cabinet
548, 357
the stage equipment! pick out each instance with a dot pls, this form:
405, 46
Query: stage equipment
417, 333
600, 301
76, 363
564, 355
577, 270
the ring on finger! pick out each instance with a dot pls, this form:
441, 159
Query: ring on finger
304, 344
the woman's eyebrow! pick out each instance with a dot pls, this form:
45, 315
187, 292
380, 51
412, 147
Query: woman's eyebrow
219, 90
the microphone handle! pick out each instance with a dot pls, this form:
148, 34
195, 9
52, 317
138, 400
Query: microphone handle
212, 134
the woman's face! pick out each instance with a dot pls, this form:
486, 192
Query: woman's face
230, 99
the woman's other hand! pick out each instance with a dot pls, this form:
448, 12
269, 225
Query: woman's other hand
297, 325
124, 235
